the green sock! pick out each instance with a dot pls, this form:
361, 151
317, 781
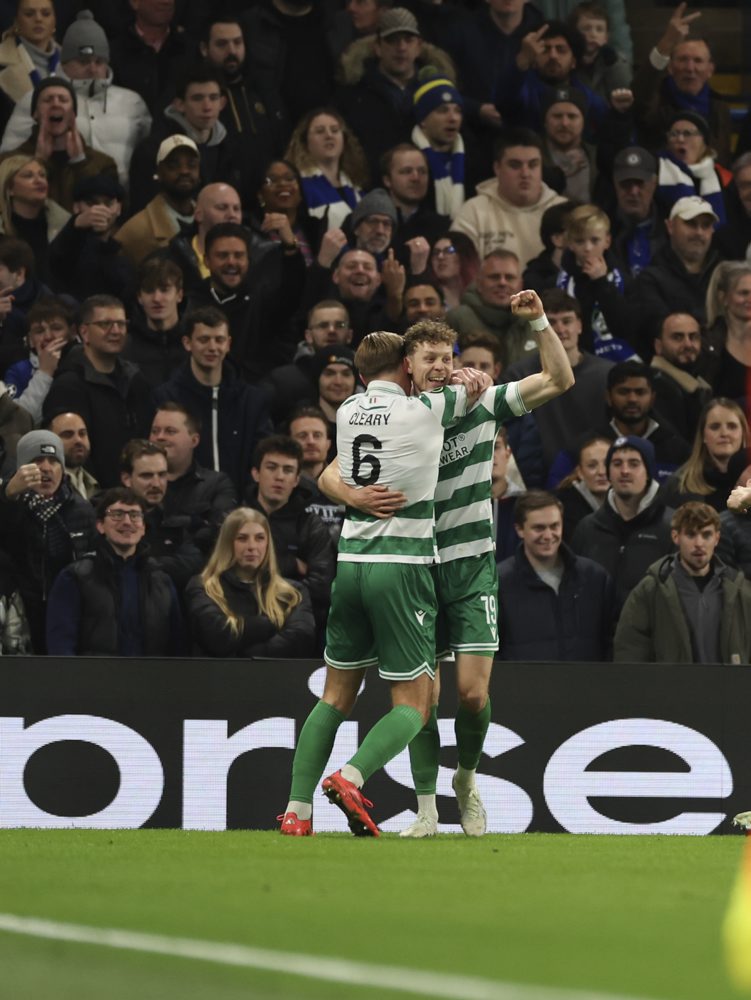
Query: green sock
423, 756
386, 739
470, 729
314, 749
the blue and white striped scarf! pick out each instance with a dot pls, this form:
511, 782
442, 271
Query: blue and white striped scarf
447, 171
324, 201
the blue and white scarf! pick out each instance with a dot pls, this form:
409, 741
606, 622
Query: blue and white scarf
676, 179
604, 344
447, 171
325, 201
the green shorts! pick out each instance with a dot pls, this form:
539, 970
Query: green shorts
384, 614
467, 606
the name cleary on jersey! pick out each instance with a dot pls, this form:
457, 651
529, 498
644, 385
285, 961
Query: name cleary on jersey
370, 419
454, 448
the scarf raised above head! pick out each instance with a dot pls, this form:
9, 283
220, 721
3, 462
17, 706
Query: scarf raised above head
447, 171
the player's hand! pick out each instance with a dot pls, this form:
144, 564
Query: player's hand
676, 29
527, 305
332, 244
621, 99
474, 381
531, 49
380, 501
740, 498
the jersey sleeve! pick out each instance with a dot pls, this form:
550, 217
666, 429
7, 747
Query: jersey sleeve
448, 404
503, 401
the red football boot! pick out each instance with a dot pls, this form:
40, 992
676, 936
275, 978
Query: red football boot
352, 803
294, 827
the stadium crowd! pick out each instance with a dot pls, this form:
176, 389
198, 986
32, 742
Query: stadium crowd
203, 210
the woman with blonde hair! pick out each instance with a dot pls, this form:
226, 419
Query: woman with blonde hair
240, 605
717, 459
28, 51
26, 211
331, 163
729, 327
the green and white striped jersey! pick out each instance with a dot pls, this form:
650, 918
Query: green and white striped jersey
386, 437
463, 510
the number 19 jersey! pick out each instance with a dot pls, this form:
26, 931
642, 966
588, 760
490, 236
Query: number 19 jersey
387, 438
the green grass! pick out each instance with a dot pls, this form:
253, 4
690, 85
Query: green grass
630, 915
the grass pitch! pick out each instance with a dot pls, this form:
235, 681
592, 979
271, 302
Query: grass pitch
635, 916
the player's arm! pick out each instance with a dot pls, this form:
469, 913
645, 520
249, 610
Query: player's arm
378, 501
556, 375
475, 382
740, 498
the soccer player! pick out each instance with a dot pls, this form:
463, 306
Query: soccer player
383, 606
466, 577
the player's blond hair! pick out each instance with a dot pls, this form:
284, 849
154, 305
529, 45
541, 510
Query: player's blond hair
379, 352
584, 220
428, 331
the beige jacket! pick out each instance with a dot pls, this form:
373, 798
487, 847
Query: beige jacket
150, 229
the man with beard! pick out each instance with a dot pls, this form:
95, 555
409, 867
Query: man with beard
253, 303
72, 430
630, 397
178, 171
252, 117
677, 369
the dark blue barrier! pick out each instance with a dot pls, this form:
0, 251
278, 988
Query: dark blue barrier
207, 744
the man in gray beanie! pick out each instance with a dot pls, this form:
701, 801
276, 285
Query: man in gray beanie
45, 524
373, 221
109, 119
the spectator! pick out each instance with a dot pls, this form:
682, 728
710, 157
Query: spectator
334, 379
566, 418
14, 423
632, 527
380, 76
74, 434
630, 397
439, 113
405, 175
618, 26
26, 212
601, 67
50, 329
252, 307
584, 490
241, 605
552, 604
194, 111
690, 607
280, 198
717, 458
233, 414
679, 274
566, 153
486, 305
355, 281
302, 542
638, 228
481, 351
507, 210
143, 469
55, 138
454, 264
110, 394
331, 164
14, 628
678, 369
215, 203
733, 239
676, 77
543, 271
687, 166
590, 273
506, 486
729, 325
204, 496
422, 299
110, 119
147, 52
28, 52
251, 115
46, 524
19, 290
155, 332
85, 257
372, 223
310, 428
116, 602
178, 174
328, 326
735, 537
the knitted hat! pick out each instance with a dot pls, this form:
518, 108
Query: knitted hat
699, 121
52, 81
562, 95
335, 355
375, 202
173, 142
640, 444
85, 38
634, 163
397, 19
39, 444
433, 90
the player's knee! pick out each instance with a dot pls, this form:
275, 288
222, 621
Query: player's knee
341, 701
473, 701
